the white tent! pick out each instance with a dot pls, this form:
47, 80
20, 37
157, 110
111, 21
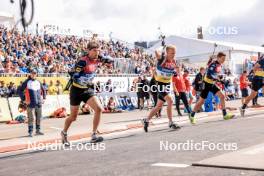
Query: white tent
187, 47
6, 18
196, 51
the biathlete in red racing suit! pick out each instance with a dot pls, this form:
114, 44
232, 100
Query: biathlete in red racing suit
82, 90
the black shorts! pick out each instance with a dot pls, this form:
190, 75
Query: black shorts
163, 89
244, 92
140, 94
209, 88
77, 95
146, 95
257, 83
143, 95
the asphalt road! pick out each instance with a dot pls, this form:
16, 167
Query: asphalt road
134, 152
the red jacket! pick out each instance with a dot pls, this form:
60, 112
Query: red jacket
243, 82
179, 83
187, 82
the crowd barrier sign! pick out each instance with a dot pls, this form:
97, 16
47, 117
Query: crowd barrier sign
124, 100
50, 105
64, 101
121, 86
14, 102
5, 114
53, 102
121, 99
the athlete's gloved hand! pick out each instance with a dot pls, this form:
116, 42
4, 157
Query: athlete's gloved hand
71, 73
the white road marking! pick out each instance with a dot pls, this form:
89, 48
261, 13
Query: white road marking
56, 128
170, 165
255, 151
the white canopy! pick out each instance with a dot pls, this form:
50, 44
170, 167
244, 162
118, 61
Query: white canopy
188, 47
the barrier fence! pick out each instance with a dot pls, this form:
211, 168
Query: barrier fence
9, 106
121, 86
53, 102
5, 113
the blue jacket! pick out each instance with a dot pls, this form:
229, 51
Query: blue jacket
32, 92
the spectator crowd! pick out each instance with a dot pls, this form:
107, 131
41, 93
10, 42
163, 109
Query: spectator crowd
11, 90
56, 54
52, 53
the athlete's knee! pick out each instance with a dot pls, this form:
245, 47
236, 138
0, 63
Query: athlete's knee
98, 110
159, 105
73, 117
169, 102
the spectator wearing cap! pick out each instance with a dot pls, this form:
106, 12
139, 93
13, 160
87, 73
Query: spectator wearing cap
33, 94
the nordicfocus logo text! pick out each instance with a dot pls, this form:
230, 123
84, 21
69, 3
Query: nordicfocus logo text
190, 145
154, 88
58, 146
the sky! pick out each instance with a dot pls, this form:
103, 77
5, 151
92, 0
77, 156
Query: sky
237, 21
